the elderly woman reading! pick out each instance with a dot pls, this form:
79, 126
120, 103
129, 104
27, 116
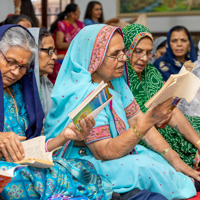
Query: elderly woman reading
21, 117
96, 54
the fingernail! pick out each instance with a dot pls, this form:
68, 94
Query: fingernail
23, 155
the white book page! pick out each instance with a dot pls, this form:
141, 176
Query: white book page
10, 172
188, 88
35, 148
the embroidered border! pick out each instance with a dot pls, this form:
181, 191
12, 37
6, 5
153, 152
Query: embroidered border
136, 40
132, 109
99, 48
98, 133
119, 123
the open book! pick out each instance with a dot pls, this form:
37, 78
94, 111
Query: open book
92, 105
182, 85
35, 153
10, 173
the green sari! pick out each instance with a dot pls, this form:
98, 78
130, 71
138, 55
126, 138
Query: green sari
150, 84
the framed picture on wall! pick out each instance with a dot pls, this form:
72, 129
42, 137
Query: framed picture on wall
129, 8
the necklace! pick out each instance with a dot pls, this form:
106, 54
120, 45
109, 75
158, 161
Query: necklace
9, 90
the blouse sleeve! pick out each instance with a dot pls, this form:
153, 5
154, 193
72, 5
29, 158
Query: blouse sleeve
61, 26
101, 130
132, 109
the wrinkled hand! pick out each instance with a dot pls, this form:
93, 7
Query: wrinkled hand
10, 144
71, 133
181, 166
4, 183
160, 115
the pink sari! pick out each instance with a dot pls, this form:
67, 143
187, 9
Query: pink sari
69, 32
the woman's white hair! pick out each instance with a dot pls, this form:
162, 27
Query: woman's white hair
18, 37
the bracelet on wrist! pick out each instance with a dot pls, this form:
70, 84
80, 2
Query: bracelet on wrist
18, 9
165, 151
197, 143
137, 132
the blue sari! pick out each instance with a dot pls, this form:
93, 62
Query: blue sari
142, 168
71, 178
168, 64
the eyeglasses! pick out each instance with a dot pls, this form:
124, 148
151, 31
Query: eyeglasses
50, 51
12, 65
140, 54
120, 58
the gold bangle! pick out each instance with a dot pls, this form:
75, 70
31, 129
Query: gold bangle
165, 151
137, 132
197, 143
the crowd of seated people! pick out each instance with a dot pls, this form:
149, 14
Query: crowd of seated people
127, 151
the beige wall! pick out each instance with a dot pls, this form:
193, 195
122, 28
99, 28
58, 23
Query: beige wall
155, 24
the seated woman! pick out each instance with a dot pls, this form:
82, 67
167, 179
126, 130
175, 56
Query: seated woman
94, 14
22, 119
192, 108
145, 81
180, 48
65, 28
159, 47
45, 59
97, 54
22, 20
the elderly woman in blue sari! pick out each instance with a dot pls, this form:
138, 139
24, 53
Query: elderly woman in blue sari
96, 54
180, 48
22, 119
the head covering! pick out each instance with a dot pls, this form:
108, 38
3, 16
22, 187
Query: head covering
43, 83
136, 31
31, 98
85, 54
156, 43
168, 64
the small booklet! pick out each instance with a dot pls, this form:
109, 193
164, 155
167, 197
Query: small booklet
35, 153
10, 173
182, 85
92, 105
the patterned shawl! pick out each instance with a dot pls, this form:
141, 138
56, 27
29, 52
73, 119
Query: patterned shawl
31, 98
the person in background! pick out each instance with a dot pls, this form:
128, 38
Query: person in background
94, 14
159, 48
22, 20
66, 27
180, 48
192, 108
44, 63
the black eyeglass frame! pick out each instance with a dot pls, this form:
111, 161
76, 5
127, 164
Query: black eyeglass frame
48, 50
28, 68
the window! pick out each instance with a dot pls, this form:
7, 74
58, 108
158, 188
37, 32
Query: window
54, 7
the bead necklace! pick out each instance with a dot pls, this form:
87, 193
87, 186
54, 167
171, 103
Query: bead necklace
9, 90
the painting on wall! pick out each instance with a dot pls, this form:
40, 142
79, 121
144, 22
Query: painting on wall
128, 8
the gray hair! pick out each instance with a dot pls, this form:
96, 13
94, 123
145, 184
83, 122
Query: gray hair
18, 37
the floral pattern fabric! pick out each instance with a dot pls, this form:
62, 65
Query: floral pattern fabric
36, 183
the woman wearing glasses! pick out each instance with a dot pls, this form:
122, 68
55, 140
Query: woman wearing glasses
145, 81
95, 55
45, 59
21, 117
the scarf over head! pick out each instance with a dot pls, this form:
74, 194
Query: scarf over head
31, 98
168, 64
43, 83
142, 90
85, 55
156, 43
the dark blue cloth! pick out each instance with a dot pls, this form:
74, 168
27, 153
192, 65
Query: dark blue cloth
146, 195
31, 98
168, 64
